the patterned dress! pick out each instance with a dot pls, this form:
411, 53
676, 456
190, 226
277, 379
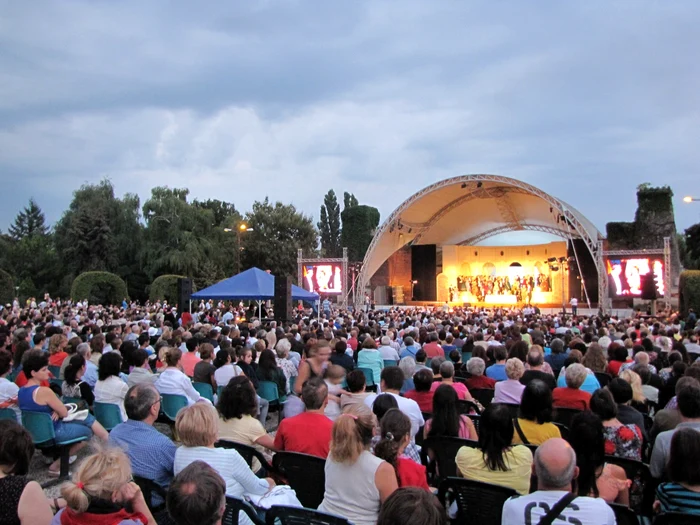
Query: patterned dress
624, 441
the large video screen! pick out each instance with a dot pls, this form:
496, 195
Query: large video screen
625, 276
323, 278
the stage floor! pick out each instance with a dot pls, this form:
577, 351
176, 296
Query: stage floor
621, 313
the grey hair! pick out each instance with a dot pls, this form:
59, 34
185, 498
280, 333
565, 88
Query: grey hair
408, 340
476, 366
447, 369
557, 346
575, 375
283, 347
553, 480
408, 365
386, 341
83, 349
139, 400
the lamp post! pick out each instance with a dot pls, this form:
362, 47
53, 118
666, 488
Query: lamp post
689, 199
242, 227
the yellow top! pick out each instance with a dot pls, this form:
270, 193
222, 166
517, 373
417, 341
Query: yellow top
535, 433
245, 431
471, 465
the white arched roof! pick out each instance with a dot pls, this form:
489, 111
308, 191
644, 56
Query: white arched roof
470, 208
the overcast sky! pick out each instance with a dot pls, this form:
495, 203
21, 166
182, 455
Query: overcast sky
239, 100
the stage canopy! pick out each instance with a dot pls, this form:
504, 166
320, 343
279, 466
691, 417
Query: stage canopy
253, 284
468, 209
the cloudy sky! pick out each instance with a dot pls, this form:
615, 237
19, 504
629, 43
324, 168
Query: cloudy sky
239, 100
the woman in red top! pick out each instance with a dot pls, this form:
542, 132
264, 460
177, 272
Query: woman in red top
57, 352
476, 367
572, 396
422, 393
395, 437
618, 357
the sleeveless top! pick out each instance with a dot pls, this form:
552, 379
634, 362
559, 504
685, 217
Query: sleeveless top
351, 491
11, 488
25, 400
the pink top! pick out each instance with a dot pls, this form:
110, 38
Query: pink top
463, 428
460, 388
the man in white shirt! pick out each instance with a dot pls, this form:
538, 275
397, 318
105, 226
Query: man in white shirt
574, 305
555, 467
387, 351
391, 382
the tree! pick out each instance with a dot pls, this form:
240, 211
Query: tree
329, 226
359, 224
29, 222
92, 247
689, 247
349, 200
278, 232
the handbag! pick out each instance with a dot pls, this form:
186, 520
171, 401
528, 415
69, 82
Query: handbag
279, 495
74, 414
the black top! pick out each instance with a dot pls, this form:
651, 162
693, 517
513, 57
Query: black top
343, 360
529, 375
11, 488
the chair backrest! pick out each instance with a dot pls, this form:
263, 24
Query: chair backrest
603, 378
234, 507
293, 382
205, 390
675, 518
304, 473
564, 415
268, 390
445, 451
624, 515
70, 399
465, 407
172, 404
219, 389
477, 502
483, 395
55, 370
390, 362
369, 376
476, 419
40, 426
563, 430
247, 452
514, 409
108, 414
642, 491
149, 487
8, 413
282, 515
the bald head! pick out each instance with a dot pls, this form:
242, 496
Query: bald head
555, 465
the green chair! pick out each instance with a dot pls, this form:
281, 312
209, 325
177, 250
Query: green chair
172, 404
369, 378
56, 382
55, 371
108, 414
69, 399
8, 413
40, 426
219, 389
292, 382
205, 390
268, 390
390, 362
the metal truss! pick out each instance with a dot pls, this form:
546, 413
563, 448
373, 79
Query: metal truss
509, 228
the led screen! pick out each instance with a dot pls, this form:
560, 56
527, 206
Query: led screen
323, 278
625, 276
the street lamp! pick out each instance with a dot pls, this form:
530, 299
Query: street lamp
242, 227
688, 198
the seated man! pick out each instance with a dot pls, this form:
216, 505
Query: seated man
555, 468
197, 495
423, 393
391, 383
151, 453
310, 431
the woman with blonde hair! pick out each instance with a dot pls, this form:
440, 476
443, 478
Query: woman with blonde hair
173, 381
639, 400
357, 482
101, 492
57, 349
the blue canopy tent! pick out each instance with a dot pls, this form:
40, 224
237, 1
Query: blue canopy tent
252, 284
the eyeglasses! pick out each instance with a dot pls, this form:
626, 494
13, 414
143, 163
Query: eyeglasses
160, 400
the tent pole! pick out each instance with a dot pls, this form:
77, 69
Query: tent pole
260, 310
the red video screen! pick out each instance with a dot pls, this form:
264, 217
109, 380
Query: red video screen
323, 278
625, 276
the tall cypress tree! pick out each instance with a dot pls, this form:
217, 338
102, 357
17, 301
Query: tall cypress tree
29, 222
329, 226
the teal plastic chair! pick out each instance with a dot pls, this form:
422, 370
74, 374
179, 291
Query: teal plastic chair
69, 399
108, 414
8, 413
57, 382
466, 356
268, 390
219, 389
292, 382
205, 390
40, 426
55, 371
172, 404
369, 378
390, 362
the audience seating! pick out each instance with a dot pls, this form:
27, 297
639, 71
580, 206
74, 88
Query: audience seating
444, 450
171, 404
268, 390
478, 503
565, 415
282, 515
40, 426
219, 389
69, 399
390, 362
247, 453
234, 507
465, 407
643, 489
483, 395
563, 430
304, 473
624, 515
369, 379
514, 409
55, 371
148, 488
676, 518
205, 390
603, 378
108, 414
293, 382
8, 413
476, 419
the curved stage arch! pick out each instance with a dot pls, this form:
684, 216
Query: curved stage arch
468, 209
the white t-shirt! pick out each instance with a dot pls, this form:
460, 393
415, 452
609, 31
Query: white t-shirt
407, 406
225, 373
528, 510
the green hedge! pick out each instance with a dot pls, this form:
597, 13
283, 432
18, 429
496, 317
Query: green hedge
689, 291
99, 288
7, 288
164, 287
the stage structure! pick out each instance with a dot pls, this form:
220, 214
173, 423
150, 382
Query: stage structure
442, 225
325, 277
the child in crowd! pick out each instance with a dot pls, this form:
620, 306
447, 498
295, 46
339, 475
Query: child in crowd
335, 376
395, 437
356, 385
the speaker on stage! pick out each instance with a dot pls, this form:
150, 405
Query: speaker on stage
423, 270
283, 299
649, 287
184, 292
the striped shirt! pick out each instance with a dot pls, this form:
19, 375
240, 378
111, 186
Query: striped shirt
676, 498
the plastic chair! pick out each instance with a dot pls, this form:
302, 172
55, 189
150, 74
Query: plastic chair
390, 362
564, 415
55, 371
477, 502
603, 378
283, 515
465, 407
483, 395
108, 414
563, 430
247, 453
8, 413
643, 489
219, 389
150, 487
514, 409
293, 382
476, 419
304, 473
444, 450
234, 507
369, 378
171, 404
205, 390
69, 399
40, 426
268, 390
675, 518
624, 515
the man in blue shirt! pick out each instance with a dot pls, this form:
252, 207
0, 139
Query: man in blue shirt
152, 454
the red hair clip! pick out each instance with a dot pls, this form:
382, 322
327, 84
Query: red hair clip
80, 485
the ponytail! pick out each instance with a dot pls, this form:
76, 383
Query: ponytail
352, 434
75, 496
395, 426
76, 362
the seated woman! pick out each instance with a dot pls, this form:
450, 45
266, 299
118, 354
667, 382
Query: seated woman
225, 368
395, 436
423, 393
533, 425
639, 400
172, 379
8, 390
73, 384
103, 491
36, 398
446, 420
369, 357
596, 478
511, 390
23, 501
447, 372
197, 427
496, 460
594, 359
204, 371
476, 367
408, 367
109, 387
618, 357
682, 492
624, 441
572, 396
57, 349
269, 371
412, 505
590, 383
357, 482
286, 364
238, 410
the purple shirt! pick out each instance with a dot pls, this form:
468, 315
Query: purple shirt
508, 391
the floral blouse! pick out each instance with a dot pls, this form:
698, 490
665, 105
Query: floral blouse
624, 441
